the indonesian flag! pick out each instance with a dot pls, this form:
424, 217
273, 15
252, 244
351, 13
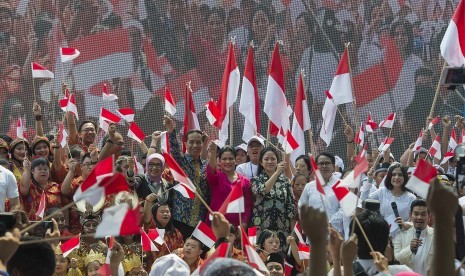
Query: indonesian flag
387, 141
204, 234
435, 149
360, 137
298, 232
126, 114
68, 54
419, 141
185, 186
62, 135
389, 121
138, 169
362, 154
20, 129
253, 258
352, 180
433, 122
329, 116
146, 242
419, 181
453, 44
64, 102
93, 188
346, 198
453, 140
287, 268
71, 244
234, 203
341, 87
107, 117
304, 251
289, 144
119, 220
249, 105
221, 252
190, 116
155, 236
229, 91
41, 209
164, 143
71, 106
170, 106
40, 72
106, 95
136, 133
301, 121
370, 124
275, 101
462, 137
252, 232
213, 113
318, 177
447, 156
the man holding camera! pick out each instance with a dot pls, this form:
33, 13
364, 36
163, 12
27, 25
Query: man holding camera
414, 246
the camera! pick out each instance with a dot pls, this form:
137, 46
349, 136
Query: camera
460, 169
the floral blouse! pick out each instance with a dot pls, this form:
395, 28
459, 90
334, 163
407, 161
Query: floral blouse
274, 210
74, 223
31, 201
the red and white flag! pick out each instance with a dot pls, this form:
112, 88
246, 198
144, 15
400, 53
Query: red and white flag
107, 117
252, 232
318, 177
447, 156
453, 140
229, 92
64, 102
170, 105
126, 114
352, 180
287, 269
41, 209
62, 135
222, 251
419, 181
462, 137
234, 203
213, 113
370, 124
453, 44
289, 143
362, 154
138, 168
164, 142
249, 105
341, 87
360, 137
204, 234
20, 129
40, 72
275, 102
298, 232
433, 122
119, 220
106, 95
68, 54
389, 121
304, 251
155, 236
190, 116
71, 106
329, 116
146, 242
347, 199
136, 133
71, 244
185, 186
435, 149
253, 258
418, 142
301, 121
387, 141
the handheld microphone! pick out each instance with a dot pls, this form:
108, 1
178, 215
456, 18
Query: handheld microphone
396, 212
417, 236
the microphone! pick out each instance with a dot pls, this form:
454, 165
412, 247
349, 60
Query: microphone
417, 236
396, 212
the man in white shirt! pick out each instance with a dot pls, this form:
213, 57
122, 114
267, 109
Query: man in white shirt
414, 246
254, 147
8, 189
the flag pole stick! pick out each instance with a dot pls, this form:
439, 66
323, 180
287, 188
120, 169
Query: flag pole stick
34, 89
268, 134
310, 132
364, 234
52, 239
353, 94
69, 205
231, 128
438, 87
240, 223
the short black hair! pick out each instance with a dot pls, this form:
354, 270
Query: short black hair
387, 182
227, 149
327, 154
85, 122
306, 160
38, 162
262, 153
418, 202
86, 155
264, 235
33, 259
377, 231
6, 138
126, 152
192, 131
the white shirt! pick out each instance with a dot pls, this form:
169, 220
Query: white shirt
248, 169
419, 259
8, 187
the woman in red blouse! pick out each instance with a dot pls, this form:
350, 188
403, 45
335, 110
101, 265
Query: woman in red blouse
35, 181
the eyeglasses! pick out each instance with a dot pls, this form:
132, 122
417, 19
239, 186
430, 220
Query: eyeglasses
42, 169
324, 164
156, 165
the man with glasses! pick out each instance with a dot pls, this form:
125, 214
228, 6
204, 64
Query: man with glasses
84, 136
254, 147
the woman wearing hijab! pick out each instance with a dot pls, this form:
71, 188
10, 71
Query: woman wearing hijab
153, 181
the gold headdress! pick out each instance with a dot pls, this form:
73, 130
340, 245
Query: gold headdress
58, 249
93, 256
131, 262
